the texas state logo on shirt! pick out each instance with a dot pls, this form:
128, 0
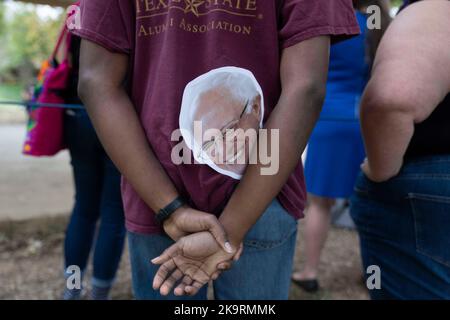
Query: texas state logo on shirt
159, 16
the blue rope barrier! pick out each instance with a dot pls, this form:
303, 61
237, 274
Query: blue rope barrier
81, 107
39, 105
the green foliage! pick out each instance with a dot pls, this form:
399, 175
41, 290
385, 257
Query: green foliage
28, 40
2, 21
2, 18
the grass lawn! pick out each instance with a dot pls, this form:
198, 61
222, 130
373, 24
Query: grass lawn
10, 93
11, 113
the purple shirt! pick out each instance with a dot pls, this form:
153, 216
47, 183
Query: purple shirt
172, 42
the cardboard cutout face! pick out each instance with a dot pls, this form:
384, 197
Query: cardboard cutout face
227, 106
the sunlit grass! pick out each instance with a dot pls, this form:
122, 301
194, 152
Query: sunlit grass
10, 93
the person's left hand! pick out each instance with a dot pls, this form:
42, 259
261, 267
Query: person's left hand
195, 260
186, 220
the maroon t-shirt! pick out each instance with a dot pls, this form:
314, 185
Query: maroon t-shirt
172, 42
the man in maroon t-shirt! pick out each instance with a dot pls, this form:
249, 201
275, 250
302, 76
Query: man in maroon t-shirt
152, 73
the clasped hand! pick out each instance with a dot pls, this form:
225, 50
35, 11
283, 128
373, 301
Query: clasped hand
200, 254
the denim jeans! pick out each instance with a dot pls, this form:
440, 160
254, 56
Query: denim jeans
97, 197
262, 273
404, 228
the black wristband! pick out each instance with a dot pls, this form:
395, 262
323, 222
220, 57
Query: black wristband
166, 212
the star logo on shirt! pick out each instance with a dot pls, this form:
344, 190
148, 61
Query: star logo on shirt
192, 6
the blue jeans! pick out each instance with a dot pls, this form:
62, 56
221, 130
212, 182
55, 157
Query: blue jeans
97, 197
262, 273
404, 228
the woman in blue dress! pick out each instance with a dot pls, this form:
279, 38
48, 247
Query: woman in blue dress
336, 149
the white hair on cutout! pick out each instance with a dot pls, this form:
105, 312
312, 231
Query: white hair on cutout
241, 87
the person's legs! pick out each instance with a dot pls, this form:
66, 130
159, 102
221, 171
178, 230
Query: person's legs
317, 224
81, 141
143, 248
403, 228
111, 233
264, 269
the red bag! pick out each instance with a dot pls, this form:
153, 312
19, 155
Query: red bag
45, 125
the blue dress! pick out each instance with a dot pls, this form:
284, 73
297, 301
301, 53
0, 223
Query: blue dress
336, 150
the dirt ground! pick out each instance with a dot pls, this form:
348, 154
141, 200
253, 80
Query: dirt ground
35, 194
31, 263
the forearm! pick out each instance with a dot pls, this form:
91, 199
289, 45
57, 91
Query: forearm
387, 135
303, 72
256, 191
123, 138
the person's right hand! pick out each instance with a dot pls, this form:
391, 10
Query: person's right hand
191, 263
186, 220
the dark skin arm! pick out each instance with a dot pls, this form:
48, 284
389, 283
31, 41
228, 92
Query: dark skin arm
101, 88
304, 69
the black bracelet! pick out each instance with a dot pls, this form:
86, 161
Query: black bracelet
166, 212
